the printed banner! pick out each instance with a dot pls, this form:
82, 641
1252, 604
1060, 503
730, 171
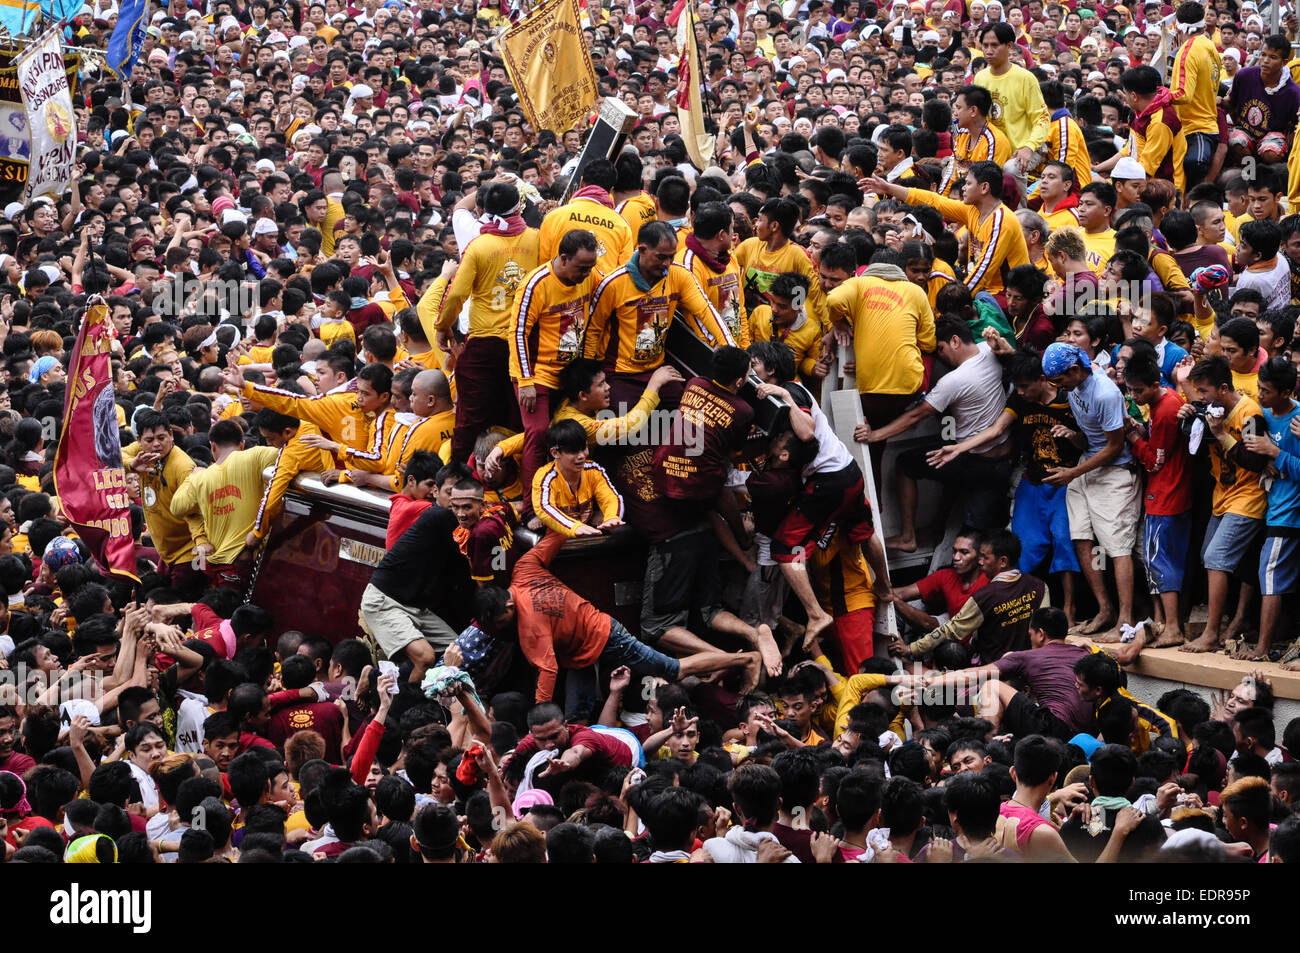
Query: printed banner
48, 99
88, 474
128, 38
550, 66
690, 101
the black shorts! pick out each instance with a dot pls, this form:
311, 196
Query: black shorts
1026, 717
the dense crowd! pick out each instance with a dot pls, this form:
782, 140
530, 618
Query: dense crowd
1051, 245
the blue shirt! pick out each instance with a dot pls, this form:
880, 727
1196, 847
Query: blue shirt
1098, 406
1284, 493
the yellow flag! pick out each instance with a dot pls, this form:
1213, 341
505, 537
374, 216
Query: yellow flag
690, 102
549, 64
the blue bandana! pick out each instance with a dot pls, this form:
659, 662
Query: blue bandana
1060, 357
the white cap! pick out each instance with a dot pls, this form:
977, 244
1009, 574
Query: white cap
361, 91
13, 210
264, 165
836, 74
796, 61
930, 35
229, 23
265, 226
1096, 76
1128, 168
1233, 53
235, 129
298, 40
277, 37
79, 706
186, 34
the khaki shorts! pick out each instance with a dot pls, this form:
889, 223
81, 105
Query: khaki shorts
1106, 505
395, 626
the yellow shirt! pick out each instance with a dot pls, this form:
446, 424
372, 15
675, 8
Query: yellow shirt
1158, 146
1018, 107
760, 267
228, 496
637, 211
337, 415
334, 214
1101, 246
997, 243
722, 288
804, 337
892, 324
174, 537
1065, 143
562, 507
491, 269
431, 434
841, 577
615, 241
337, 329
294, 458
601, 431
1236, 489
941, 274
548, 326
1194, 86
1062, 218
628, 326
989, 145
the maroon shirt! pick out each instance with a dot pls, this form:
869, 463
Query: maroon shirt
18, 763
1049, 672
320, 717
718, 422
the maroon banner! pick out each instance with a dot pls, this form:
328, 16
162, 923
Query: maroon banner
88, 474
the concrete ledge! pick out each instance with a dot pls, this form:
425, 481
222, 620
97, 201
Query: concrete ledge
1210, 670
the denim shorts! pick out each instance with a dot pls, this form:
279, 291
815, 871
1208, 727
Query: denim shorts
624, 649
1227, 540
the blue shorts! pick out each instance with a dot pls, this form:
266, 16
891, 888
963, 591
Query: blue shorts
1042, 522
1279, 565
1164, 546
1227, 540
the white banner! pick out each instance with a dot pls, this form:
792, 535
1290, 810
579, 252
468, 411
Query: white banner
44, 87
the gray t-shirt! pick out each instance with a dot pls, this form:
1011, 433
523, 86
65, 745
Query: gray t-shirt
1098, 406
973, 393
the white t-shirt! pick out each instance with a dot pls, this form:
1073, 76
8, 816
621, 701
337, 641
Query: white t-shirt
1274, 285
974, 392
832, 455
191, 714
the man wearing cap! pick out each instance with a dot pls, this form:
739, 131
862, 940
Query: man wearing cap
1193, 88
1104, 490
1127, 177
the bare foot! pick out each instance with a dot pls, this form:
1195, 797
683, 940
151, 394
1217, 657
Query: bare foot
771, 651
901, 544
1292, 666
1168, 639
1209, 642
1099, 623
1109, 636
